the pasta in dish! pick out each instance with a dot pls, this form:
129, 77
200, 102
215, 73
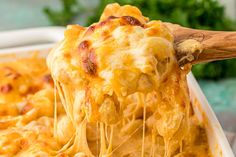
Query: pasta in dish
122, 89
115, 90
26, 108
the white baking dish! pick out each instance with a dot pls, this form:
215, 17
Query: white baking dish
21, 43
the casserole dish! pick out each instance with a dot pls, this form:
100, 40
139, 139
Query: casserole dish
23, 43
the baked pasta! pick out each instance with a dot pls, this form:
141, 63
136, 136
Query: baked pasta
123, 91
26, 108
115, 90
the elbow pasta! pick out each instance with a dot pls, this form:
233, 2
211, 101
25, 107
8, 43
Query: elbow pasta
116, 91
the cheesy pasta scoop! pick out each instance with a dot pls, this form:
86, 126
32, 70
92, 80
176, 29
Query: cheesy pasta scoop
122, 90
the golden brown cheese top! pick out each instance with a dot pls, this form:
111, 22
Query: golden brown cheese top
26, 109
118, 79
122, 91
123, 53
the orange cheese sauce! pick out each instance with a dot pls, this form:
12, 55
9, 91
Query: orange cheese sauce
114, 90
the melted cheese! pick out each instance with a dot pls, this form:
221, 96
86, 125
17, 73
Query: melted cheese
26, 109
119, 80
121, 91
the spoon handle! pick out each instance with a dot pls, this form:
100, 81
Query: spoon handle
198, 46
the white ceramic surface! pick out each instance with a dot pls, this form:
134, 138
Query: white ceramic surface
217, 140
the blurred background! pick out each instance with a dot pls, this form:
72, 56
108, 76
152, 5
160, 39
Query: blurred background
217, 79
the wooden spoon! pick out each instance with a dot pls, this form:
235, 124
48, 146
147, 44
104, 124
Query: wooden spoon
198, 46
